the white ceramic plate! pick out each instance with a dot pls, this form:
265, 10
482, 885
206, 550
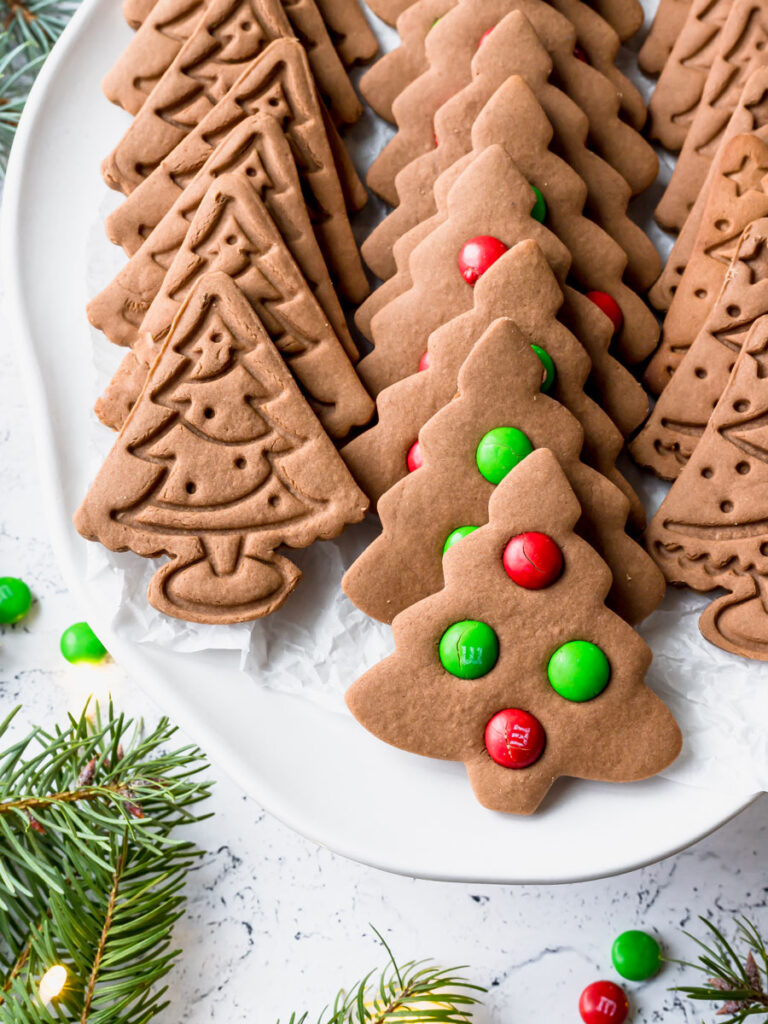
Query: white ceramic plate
316, 770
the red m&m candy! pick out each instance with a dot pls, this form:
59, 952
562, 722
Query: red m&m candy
514, 738
610, 307
414, 459
477, 255
602, 1002
484, 36
424, 362
580, 54
533, 560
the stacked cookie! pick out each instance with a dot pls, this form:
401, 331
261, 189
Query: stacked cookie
239, 373
706, 430
502, 339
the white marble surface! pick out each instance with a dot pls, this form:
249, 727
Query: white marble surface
276, 924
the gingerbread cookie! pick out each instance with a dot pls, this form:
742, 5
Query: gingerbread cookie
738, 194
259, 145
278, 83
749, 118
513, 48
233, 232
498, 417
452, 43
673, 104
523, 679
521, 286
221, 462
680, 416
624, 16
711, 530
742, 47
665, 28
136, 12
352, 35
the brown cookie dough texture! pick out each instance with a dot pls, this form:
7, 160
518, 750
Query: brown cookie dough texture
738, 194
665, 28
220, 462
680, 416
232, 232
412, 702
278, 83
712, 528
452, 43
673, 104
742, 47
513, 48
519, 285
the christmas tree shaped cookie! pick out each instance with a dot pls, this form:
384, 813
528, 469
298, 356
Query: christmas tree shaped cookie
500, 415
749, 118
738, 195
451, 45
517, 668
712, 528
513, 48
233, 232
520, 286
741, 47
665, 28
259, 146
219, 463
278, 83
681, 414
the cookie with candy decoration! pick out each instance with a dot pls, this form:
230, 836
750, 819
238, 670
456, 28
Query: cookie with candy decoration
711, 530
738, 195
522, 684
680, 416
451, 45
520, 286
220, 462
259, 145
278, 83
513, 48
665, 28
232, 232
742, 47
500, 415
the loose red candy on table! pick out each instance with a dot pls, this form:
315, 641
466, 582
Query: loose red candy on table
533, 560
424, 362
603, 1002
610, 307
415, 460
514, 738
477, 255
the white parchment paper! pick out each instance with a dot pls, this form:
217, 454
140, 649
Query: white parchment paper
319, 643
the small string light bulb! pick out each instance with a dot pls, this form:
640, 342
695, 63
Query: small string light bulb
52, 983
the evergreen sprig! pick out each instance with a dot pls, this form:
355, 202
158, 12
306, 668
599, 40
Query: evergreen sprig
738, 980
92, 869
28, 31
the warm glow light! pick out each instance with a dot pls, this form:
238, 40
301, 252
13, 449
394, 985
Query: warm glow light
52, 983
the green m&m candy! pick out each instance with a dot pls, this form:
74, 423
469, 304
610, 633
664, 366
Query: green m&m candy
456, 535
579, 670
79, 643
539, 211
15, 600
500, 451
468, 649
549, 368
636, 955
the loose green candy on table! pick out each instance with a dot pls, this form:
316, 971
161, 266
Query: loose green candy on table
15, 600
579, 670
469, 649
79, 643
549, 368
636, 955
500, 450
456, 535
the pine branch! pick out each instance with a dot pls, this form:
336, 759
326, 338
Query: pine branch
739, 982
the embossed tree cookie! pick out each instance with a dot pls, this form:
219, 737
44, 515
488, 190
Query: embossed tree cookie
680, 416
513, 48
280, 84
233, 232
524, 676
738, 195
712, 528
665, 28
499, 416
220, 462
